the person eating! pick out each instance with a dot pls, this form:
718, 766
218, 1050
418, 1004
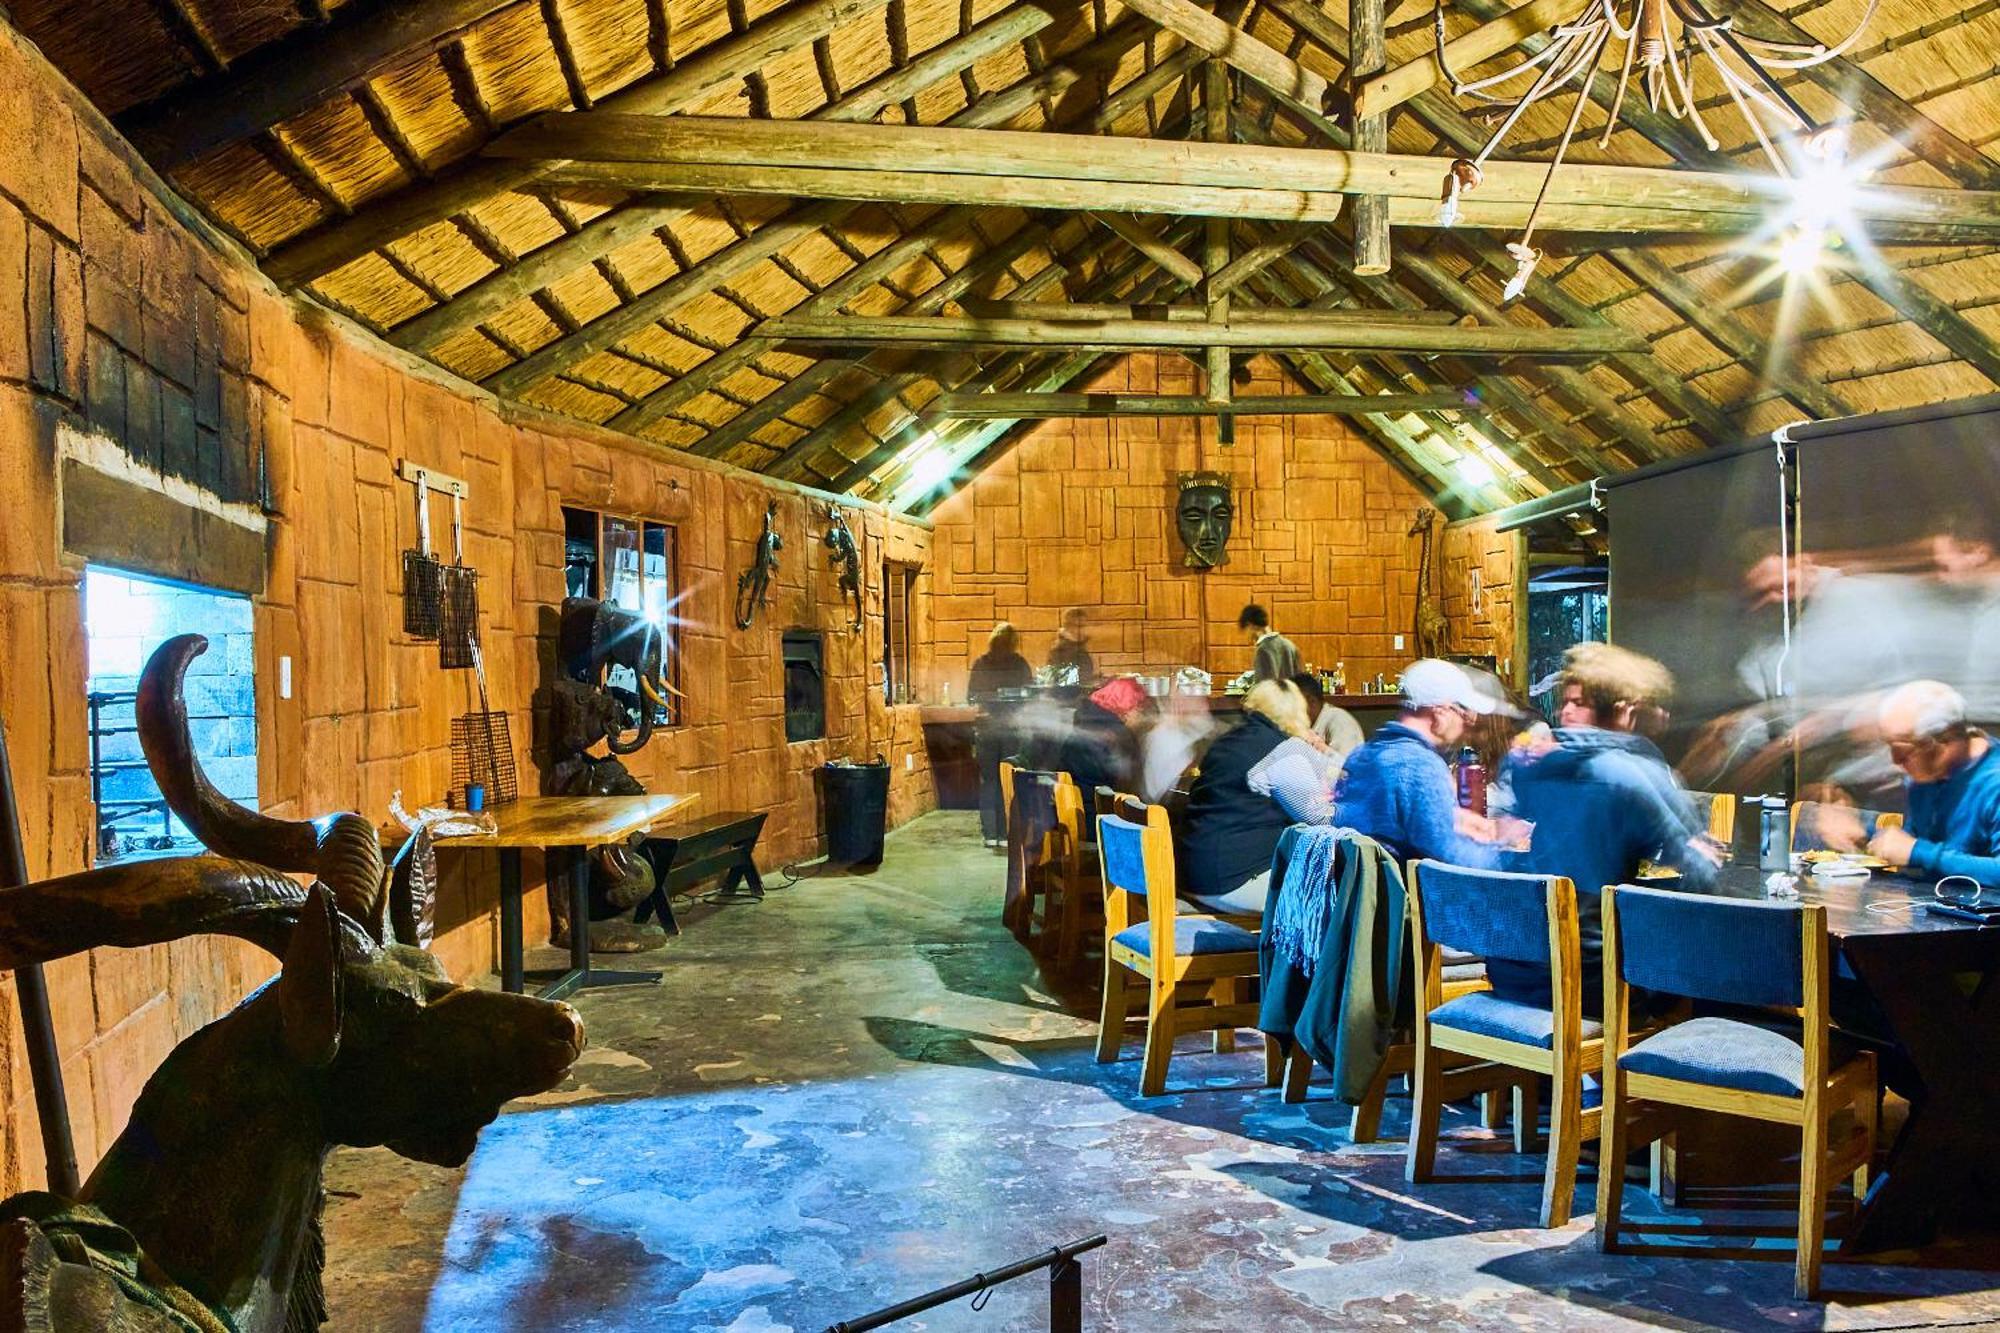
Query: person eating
1951, 781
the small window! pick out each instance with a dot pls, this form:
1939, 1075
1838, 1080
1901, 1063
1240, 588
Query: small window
632, 563
899, 584
125, 619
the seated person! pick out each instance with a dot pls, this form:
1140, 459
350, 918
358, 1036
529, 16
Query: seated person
1256, 781
1101, 749
1397, 788
1601, 801
1334, 728
1952, 782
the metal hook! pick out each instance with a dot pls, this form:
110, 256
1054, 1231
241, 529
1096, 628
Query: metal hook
985, 1293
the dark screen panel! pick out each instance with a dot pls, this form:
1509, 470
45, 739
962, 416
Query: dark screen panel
1688, 568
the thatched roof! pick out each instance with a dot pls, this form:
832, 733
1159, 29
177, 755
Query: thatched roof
346, 145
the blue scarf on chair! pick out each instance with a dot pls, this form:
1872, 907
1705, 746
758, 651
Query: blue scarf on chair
1297, 925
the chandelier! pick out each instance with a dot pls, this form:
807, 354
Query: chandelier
1664, 40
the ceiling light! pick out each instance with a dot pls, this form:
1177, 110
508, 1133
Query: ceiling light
1665, 44
1801, 251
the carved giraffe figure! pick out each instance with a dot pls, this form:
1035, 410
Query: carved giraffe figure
1431, 628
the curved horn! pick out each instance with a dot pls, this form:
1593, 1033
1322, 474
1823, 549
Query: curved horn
151, 902
343, 850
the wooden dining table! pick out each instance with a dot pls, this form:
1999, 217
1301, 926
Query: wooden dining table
1936, 981
564, 828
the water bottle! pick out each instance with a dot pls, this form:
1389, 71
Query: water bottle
1774, 834
1471, 781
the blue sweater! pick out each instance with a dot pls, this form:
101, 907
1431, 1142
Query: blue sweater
1601, 802
1397, 789
1956, 822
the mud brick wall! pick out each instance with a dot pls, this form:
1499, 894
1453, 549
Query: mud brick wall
1497, 625
1080, 513
129, 332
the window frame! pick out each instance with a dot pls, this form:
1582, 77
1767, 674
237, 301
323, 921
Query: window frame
899, 593
602, 576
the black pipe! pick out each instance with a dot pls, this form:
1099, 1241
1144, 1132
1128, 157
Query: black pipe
37, 1028
1065, 1289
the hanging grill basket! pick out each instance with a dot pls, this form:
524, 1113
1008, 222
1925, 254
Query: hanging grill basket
482, 749
458, 621
423, 576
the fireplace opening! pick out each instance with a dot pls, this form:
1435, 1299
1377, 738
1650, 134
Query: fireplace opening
805, 685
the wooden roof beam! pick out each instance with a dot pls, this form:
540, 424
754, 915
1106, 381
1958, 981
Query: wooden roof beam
331, 245
1244, 333
1143, 239
1305, 91
975, 406
495, 292
1100, 312
659, 302
1381, 93
282, 79
959, 165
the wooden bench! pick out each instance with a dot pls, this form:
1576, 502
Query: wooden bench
686, 854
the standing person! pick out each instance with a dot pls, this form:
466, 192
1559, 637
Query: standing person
1397, 788
1070, 650
1000, 667
1276, 657
1601, 800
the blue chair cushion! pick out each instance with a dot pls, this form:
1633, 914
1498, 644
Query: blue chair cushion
1722, 1053
1488, 1015
1192, 936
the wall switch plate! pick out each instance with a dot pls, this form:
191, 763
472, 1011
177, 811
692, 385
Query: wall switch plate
284, 678
909, 763
1399, 643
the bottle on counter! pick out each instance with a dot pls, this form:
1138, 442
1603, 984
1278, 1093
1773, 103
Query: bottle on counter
1340, 677
1471, 781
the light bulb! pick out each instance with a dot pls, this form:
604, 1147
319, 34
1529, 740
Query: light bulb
1525, 259
1801, 250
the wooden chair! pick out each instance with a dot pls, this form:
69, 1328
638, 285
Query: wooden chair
1076, 905
1034, 845
1400, 1060
1806, 824
1177, 956
1719, 809
1522, 919
1737, 952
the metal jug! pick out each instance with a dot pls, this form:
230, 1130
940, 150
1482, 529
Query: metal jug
1774, 834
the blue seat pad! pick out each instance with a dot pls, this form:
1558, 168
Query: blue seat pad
1192, 936
1488, 1015
1722, 1053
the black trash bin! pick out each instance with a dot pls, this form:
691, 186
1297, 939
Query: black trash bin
854, 802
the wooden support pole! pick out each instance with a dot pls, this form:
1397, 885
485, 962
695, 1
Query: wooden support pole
973, 406
1215, 242
1368, 49
1242, 334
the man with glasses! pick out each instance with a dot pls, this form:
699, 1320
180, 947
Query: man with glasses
1397, 789
1952, 782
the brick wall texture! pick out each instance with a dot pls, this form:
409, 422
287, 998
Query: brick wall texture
119, 317
1080, 513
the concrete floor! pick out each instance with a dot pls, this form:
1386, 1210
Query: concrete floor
862, 1088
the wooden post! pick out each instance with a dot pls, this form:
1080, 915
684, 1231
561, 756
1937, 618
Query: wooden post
1215, 121
1368, 53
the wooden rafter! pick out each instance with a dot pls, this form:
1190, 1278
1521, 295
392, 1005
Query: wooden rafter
286, 77
331, 245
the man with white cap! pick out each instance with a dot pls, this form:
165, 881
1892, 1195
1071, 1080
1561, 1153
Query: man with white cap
1397, 788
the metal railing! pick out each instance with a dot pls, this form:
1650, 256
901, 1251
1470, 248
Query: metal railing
1065, 1291
134, 811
